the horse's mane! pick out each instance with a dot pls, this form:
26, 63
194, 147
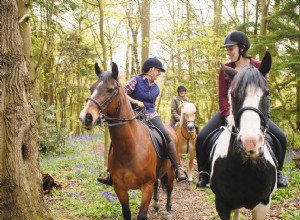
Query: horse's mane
188, 107
248, 75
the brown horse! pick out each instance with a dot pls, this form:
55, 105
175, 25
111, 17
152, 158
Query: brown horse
133, 162
186, 134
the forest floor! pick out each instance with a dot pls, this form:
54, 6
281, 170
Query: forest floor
188, 202
192, 203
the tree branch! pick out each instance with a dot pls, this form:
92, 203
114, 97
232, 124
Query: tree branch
25, 18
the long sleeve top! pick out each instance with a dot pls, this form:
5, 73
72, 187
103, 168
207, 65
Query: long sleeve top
224, 85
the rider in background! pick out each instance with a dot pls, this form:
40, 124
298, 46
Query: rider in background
237, 45
142, 91
176, 105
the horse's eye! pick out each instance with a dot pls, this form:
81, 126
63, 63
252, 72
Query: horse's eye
110, 90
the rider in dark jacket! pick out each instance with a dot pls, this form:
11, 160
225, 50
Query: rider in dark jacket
237, 45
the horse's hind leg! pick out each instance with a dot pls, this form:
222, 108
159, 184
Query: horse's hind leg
155, 196
168, 181
222, 208
191, 165
124, 200
147, 191
260, 211
236, 214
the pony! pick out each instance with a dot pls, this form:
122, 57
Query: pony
133, 161
186, 134
243, 165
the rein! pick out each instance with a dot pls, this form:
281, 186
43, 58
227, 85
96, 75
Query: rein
187, 138
103, 118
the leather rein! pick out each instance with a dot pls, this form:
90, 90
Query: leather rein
187, 138
112, 121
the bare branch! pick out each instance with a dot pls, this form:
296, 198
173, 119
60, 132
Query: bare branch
25, 18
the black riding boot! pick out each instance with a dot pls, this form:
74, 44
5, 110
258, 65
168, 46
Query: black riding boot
281, 180
180, 174
107, 180
203, 179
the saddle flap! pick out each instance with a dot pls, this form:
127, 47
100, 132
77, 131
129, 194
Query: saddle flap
158, 140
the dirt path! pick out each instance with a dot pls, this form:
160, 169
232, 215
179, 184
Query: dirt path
189, 202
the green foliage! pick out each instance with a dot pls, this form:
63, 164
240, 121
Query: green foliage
51, 138
289, 198
294, 140
81, 194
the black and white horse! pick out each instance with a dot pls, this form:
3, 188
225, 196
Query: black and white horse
243, 165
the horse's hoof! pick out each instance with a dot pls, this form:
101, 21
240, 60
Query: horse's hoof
167, 215
155, 206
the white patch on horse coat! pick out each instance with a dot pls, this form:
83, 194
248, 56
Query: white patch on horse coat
269, 157
260, 211
220, 148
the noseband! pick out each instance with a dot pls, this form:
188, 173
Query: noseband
263, 119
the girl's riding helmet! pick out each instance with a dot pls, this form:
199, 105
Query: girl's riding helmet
237, 38
181, 88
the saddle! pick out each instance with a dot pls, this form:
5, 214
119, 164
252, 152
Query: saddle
158, 140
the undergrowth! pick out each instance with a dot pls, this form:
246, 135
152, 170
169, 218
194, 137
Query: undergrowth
82, 197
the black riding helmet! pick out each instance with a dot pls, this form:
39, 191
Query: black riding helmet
152, 62
238, 38
181, 88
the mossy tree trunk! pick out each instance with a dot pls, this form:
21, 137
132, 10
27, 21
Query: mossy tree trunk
20, 177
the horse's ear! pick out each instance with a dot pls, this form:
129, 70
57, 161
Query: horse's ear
229, 71
97, 69
266, 64
114, 70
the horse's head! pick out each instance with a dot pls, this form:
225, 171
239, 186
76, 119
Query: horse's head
188, 116
103, 98
250, 103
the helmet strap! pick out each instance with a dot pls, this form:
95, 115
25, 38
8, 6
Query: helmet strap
240, 52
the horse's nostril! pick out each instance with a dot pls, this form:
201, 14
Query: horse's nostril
88, 118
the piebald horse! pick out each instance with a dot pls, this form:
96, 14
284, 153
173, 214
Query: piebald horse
133, 162
243, 166
186, 134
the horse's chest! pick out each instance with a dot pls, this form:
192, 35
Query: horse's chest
246, 182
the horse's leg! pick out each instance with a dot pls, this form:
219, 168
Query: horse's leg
147, 191
155, 196
191, 164
236, 214
260, 211
124, 200
222, 208
170, 184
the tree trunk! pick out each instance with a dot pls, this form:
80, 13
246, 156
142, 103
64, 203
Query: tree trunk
20, 177
264, 5
145, 29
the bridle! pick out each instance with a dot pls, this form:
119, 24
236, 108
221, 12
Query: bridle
263, 119
190, 135
112, 121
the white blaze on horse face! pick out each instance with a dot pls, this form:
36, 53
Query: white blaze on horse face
94, 111
250, 130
